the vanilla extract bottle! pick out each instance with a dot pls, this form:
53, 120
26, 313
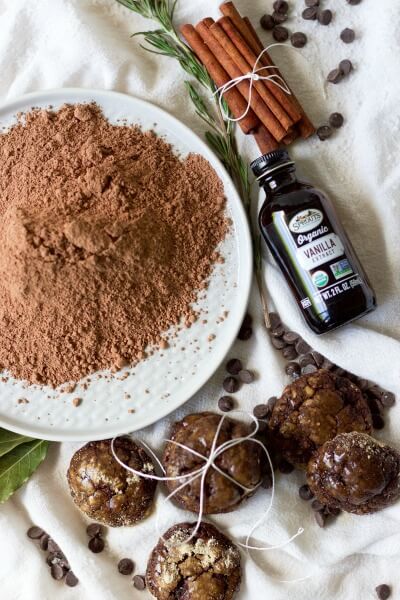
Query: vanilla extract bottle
304, 234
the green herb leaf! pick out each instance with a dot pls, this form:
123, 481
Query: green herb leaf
18, 465
9, 440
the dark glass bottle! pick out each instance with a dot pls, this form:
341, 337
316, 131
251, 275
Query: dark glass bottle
306, 238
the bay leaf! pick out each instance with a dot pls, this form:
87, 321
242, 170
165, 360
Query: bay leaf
9, 440
18, 465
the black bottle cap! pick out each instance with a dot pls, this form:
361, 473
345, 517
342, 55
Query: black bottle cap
269, 162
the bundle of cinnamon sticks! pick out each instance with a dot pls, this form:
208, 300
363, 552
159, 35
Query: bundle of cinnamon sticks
229, 49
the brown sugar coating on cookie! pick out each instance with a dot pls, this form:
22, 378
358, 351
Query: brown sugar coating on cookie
313, 410
243, 462
356, 473
104, 490
204, 568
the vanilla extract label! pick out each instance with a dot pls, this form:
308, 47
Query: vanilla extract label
320, 251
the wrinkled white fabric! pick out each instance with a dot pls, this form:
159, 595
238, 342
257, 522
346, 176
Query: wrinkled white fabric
57, 43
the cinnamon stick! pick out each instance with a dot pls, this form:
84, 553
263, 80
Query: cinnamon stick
265, 141
257, 104
227, 36
305, 125
237, 104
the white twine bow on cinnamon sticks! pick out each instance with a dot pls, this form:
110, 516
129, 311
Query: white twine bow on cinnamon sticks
210, 462
252, 76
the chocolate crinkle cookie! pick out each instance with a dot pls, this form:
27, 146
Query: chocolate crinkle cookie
205, 568
355, 473
242, 462
107, 492
314, 409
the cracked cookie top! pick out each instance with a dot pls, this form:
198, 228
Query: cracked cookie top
205, 568
314, 409
104, 490
243, 462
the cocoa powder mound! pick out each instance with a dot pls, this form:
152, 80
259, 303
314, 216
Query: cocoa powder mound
107, 237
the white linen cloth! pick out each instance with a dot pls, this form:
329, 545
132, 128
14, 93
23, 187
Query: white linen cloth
56, 43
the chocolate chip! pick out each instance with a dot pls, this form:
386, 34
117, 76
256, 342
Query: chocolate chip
246, 376
35, 533
271, 402
261, 411
388, 399
57, 572
334, 512
290, 337
245, 333
94, 529
378, 422
320, 519
309, 369
348, 35
280, 33
278, 332
312, 2
267, 22
327, 364
383, 591
96, 545
281, 6
310, 14
345, 66
54, 558
44, 542
234, 366
305, 493
336, 120
248, 320
139, 582
289, 353
278, 343
274, 319
335, 76
324, 132
293, 369
306, 359
53, 546
324, 16
279, 18
353, 2
302, 347
375, 391
126, 566
318, 358
231, 385
71, 579
226, 403
317, 506
285, 467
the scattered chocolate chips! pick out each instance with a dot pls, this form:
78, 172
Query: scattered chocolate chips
71, 579
348, 35
306, 359
388, 399
285, 467
52, 546
278, 343
267, 22
289, 353
126, 566
277, 332
310, 14
271, 402
312, 3
318, 358
231, 385
44, 542
139, 582
290, 337
320, 519
245, 333
336, 120
281, 6
246, 376
279, 18
353, 2
261, 411
324, 16
280, 33
324, 132
302, 347
226, 403
96, 545
345, 66
305, 493
275, 320
293, 369
35, 533
57, 572
94, 529
335, 76
383, 591
234, 366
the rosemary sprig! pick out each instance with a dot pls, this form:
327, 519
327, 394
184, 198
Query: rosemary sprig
165, 40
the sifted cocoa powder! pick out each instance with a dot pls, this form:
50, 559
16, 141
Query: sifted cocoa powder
107, 238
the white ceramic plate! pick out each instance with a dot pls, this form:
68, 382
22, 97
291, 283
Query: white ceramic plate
169, 378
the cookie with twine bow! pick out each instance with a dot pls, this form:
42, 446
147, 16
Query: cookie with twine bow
235, 474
